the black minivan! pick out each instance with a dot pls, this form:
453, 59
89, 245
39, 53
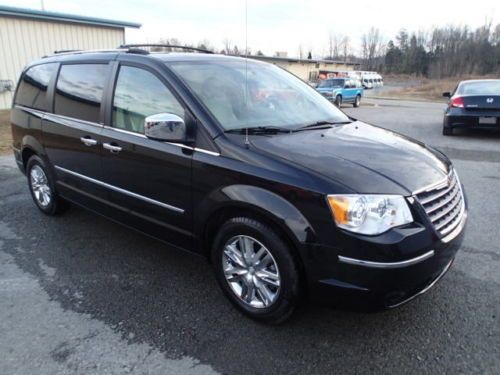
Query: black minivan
242, 162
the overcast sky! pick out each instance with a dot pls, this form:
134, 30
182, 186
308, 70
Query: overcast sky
275, 25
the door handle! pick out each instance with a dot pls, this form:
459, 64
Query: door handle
112, 148
88, 141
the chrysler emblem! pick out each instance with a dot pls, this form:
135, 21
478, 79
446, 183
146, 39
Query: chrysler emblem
489, 100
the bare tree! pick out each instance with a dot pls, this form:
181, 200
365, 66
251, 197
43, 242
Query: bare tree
372, 48
334, 41
345, 46
206, 44
228, 49
301, 52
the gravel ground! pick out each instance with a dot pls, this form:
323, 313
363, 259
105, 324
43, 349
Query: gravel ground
80, 294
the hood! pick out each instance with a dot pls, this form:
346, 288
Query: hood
366, 158
328, 89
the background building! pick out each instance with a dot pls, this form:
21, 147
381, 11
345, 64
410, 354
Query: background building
26, 35
306, 69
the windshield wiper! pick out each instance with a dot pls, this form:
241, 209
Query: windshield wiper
260, 130
322, 125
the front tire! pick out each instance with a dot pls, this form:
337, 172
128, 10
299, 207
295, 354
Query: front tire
338, 101
42, 187
256, 270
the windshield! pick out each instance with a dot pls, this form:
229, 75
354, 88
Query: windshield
274, 97
332, 83
480, 88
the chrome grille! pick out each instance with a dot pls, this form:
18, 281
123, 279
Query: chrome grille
444, 204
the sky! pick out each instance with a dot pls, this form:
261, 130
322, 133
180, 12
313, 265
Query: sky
274, 25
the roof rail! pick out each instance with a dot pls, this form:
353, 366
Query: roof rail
80, 51
133, 47
57, 52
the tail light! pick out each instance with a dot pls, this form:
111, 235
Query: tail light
457, 102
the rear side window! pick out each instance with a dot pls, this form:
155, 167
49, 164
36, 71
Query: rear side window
32, 91
139, 94
79, 91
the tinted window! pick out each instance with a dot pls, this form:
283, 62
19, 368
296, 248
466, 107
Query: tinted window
480, 88
139, 94
79, 91
32, 90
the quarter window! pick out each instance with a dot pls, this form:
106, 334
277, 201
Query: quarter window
139, 94
32, 90
79, 91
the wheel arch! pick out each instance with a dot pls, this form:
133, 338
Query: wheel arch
254, 202
30, 146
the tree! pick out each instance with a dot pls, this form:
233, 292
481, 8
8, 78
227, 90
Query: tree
301, 52
309, 56
333, 45
345, 47
393, 57
372, 49
227, 46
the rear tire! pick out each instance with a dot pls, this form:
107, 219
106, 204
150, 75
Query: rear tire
357, 101
41, 183
447, 131
256, 270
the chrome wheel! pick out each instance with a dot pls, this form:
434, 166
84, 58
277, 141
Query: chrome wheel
251, 271
40, 186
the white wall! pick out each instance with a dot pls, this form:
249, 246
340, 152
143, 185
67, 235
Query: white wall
24, 40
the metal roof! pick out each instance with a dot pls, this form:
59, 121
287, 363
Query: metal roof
63, 17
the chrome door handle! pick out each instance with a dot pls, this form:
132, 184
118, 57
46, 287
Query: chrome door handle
88, 141
110, 147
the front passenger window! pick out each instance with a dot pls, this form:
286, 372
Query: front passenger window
139, 94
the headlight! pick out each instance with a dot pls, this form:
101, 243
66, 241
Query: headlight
369, 214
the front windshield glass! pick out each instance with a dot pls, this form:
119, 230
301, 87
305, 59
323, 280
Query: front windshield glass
270, 97
332, 83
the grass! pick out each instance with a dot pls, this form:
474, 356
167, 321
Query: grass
5, 133
425, 88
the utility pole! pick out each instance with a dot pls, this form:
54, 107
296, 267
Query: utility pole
43, 5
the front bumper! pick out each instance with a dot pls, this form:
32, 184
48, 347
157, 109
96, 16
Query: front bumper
410, 263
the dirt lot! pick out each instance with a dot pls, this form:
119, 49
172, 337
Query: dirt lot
5, 133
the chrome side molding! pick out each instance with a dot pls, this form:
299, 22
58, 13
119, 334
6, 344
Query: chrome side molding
120, 190
386, 265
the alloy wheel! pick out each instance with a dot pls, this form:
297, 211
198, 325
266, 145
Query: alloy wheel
40, 186
251, 271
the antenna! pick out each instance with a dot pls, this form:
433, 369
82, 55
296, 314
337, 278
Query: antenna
247, 142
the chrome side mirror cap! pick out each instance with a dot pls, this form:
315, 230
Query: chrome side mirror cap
165, 127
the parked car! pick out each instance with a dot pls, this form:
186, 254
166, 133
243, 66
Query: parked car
245, 164
341, 90
473, 104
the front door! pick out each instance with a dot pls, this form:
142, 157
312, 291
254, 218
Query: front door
149, 181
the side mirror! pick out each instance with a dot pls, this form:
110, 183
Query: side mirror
447, 94
165, 127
